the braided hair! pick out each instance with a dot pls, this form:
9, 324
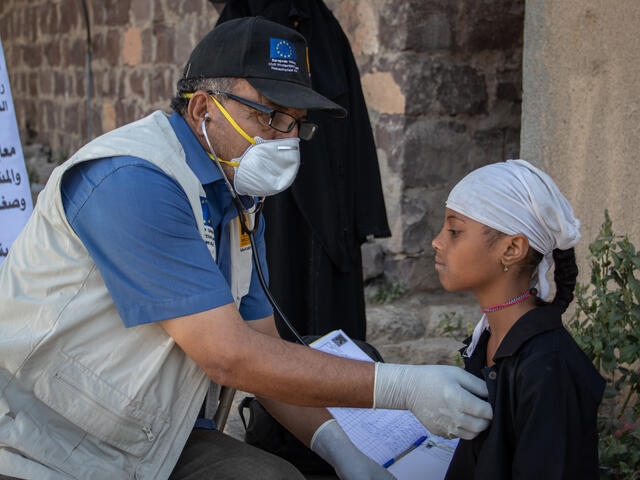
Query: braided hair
565, 275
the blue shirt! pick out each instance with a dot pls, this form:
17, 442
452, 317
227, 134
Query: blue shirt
138, 226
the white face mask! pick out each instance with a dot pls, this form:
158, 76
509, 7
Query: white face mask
268, 167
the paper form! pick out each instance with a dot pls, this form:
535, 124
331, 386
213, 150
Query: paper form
384, 434
427, 461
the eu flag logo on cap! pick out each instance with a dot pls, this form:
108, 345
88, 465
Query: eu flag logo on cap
282, 49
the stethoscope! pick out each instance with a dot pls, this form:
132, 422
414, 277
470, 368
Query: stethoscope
256, 210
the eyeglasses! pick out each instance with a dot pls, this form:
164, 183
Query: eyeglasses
280, 121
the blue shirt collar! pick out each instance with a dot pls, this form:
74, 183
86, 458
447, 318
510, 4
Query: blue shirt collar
197, 158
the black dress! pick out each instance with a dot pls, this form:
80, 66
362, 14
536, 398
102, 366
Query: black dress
545, 393
315, 229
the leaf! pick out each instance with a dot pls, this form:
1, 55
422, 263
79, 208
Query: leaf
634, 284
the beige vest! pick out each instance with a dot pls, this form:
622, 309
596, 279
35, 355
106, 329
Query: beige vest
81, 396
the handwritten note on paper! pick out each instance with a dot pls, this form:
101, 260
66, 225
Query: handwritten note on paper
15, 193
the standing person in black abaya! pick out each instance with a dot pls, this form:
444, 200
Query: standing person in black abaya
315, 229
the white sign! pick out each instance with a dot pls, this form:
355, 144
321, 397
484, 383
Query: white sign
15, 193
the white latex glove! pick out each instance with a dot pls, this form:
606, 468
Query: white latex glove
443, 398
333, 445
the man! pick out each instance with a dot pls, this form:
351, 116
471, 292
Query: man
131, 288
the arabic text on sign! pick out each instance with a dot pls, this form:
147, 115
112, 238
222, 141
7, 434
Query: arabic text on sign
16, 203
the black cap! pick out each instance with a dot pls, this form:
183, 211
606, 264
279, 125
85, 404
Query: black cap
273, 58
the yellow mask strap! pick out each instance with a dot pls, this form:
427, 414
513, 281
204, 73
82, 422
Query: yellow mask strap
233, 164
226, 114
228, 117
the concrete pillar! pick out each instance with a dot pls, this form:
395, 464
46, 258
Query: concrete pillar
581, 108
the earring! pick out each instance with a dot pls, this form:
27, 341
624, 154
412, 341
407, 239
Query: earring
506, 268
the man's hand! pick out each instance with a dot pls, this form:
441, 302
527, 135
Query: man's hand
445, 399
333, 445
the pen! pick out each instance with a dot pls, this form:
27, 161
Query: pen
406, 452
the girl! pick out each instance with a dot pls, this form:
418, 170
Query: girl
505, 224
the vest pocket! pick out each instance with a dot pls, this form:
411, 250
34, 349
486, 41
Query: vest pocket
87, 401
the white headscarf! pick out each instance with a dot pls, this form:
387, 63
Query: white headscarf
516, 197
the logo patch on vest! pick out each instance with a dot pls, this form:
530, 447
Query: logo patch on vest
245, 241
209, 237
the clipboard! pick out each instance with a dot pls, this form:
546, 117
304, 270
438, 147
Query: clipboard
393, 438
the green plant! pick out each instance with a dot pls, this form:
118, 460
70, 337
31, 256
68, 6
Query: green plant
388, 292
606, 325
453, 325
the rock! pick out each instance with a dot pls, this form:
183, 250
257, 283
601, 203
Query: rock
372, 260
393, 323
426, 351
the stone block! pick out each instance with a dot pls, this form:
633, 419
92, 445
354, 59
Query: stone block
141, 11
132, 46
108, 117
30, 20
70, 17
461, 89
422, 210
382, 93
492, 25
415, 272
44, 18
164, 44
58, 84
80, 83
106, 47
426, 351
77, 54
33, 55
435, 152
53, 54
418, 25
372, 260
117, 12
71, 117
159, 88
440, 86
393, 323
32, 82
184, 45
147, 45
388, 131
136, 83
359, 20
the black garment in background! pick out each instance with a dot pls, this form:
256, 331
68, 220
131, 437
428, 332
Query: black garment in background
545, 393
315, 229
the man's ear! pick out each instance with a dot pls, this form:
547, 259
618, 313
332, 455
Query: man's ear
197, 108
515, 250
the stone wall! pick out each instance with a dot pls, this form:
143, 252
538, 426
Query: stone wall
442, 79
138, 49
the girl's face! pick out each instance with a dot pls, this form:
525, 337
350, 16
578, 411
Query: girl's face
465, 260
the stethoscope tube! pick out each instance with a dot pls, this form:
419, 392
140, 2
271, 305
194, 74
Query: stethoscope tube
258, 267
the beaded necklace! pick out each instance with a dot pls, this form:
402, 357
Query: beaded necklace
526, 294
